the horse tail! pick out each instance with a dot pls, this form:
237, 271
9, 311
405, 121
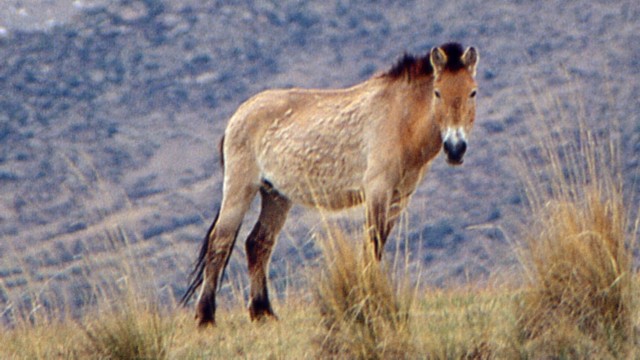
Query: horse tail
221, 149
197, 274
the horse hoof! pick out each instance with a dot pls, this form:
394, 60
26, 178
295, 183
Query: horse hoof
204, 324
260, 315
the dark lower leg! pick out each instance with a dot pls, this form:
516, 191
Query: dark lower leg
206, 307
258, 247
380, 222
218, 253
378, 231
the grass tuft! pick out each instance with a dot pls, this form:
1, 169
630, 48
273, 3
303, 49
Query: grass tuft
580, 267
128, 322
577, 253
361, 311
129, 331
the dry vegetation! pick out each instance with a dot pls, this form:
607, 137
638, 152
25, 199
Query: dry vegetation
363, 315
578, 301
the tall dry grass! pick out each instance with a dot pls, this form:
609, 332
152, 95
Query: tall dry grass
364, 314
121, 318
577, 250
581, 292
130, 328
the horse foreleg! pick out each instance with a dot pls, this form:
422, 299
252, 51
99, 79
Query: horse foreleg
382, 214
376, 227
378, 196
259, 246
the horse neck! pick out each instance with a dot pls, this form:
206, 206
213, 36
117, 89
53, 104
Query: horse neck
421, 131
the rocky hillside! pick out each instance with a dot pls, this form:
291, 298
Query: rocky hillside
111, 112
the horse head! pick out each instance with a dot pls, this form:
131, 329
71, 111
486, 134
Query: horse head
454, 97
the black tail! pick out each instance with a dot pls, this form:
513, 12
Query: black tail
197, 275
221, 150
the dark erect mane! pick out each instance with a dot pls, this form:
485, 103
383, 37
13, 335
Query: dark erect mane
454, 52
411, 67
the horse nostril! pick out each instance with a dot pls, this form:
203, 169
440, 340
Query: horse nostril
462, 147
455, 151
457, 148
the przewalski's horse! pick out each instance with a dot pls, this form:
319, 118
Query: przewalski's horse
333, 149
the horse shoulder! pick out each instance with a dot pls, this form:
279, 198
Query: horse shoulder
384, 158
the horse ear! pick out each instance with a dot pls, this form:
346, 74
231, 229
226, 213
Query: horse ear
438, 59
470, 59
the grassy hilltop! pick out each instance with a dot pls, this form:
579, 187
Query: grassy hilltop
577, 297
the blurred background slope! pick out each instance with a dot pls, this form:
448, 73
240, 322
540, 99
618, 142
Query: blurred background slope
111, 113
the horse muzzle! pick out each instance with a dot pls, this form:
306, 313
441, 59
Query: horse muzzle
454, 150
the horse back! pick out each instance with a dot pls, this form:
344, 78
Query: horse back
311, 145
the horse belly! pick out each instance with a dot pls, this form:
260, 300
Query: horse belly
321, 167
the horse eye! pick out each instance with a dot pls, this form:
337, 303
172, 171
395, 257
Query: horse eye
437, 93
473, 94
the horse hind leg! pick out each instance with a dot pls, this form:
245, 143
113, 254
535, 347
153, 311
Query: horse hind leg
219, 244
259, 246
